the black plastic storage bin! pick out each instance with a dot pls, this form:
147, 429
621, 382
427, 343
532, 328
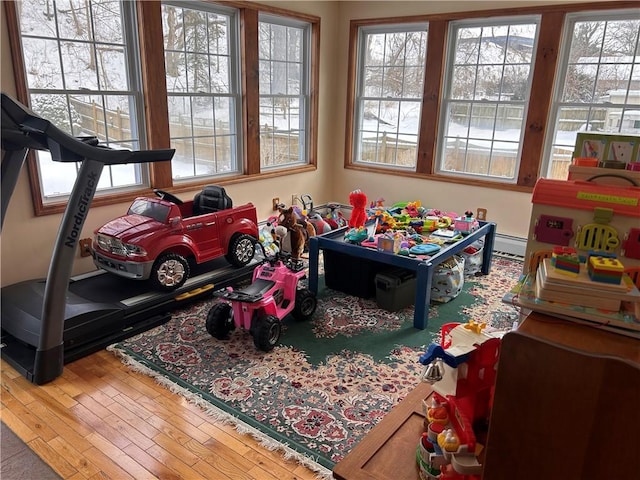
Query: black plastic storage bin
395, 289
351, 275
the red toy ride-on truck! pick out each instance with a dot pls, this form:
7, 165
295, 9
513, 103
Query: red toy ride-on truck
158, 237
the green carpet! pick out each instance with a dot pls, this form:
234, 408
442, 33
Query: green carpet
331, 380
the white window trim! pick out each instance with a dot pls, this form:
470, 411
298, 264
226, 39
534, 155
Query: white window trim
130, 37
235, 94
363, 32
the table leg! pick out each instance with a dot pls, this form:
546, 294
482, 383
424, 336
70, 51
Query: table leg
487, 254
314, 251
424, 276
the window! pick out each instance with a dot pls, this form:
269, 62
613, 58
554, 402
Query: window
195, 76
283, 55
81, 73
201, 51
391, 65
487, 86
487, 95
598, 87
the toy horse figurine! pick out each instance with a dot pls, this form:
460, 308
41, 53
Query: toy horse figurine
296, 231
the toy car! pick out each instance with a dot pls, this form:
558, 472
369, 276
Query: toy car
275, 292
158, 237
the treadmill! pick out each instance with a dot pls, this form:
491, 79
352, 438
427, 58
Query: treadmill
47, 323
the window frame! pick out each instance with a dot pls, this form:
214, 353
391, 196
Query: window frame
447, 100
133, 91
150, 35
235, 71
536, 116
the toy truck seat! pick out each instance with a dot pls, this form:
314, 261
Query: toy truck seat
211, 199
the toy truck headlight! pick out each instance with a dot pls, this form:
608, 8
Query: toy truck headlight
134, 250
103, 242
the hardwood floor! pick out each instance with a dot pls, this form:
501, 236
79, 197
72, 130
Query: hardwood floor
101, 420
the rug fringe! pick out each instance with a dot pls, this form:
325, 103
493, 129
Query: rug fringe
322, 473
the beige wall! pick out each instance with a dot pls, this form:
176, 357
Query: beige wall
27, 241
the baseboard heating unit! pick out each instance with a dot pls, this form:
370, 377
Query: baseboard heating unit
509, 246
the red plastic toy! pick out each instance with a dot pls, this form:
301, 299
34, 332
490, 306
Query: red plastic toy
462, 369
158, 237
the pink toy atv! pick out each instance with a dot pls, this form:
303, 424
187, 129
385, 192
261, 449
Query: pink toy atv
275, 292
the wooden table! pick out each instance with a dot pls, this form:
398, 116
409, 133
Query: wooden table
388, 451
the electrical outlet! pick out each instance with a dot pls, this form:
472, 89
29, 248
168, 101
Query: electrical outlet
294, 198
276, 203
85, 247
481, 214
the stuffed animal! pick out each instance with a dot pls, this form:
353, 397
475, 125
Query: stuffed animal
358, 200
282, 239
295, 231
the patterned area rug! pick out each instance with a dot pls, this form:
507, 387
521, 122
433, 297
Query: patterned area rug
331, 379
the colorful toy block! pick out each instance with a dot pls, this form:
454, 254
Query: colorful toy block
605, 269
566, 260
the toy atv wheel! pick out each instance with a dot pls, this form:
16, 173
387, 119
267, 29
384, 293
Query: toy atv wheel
220, 320
169, 272
306, 304
241, 250
267, 332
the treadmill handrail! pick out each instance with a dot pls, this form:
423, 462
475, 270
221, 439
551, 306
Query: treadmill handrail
22, 130
65, 147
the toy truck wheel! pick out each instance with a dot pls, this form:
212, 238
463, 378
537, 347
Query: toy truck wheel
220, 320
306, 304
267, 333
169, 272
241, 250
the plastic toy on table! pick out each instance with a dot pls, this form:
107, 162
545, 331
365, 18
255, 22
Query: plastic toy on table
356, 235
467, 224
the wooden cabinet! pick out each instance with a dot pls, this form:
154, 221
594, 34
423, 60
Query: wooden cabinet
566, 405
